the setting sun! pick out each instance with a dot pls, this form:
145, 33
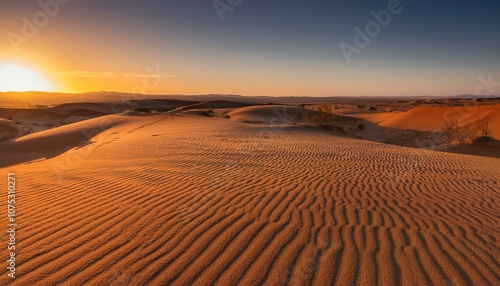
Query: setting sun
22, 78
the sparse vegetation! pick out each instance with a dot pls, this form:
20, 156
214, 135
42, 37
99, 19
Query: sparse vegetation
482, 125
457, 134
324, 116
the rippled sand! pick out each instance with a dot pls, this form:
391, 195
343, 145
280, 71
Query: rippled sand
187, 200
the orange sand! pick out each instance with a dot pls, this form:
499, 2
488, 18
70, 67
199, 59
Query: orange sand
432, 118
189, 200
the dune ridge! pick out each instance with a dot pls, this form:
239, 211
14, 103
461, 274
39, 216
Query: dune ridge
56, 141
268, 114
434, 118
185, 200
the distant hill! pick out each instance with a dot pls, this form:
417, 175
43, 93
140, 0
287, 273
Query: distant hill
36, 99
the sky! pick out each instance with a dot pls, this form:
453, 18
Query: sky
254, 47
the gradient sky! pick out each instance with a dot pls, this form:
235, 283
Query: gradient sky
260, 48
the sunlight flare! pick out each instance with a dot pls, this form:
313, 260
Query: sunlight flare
22, 78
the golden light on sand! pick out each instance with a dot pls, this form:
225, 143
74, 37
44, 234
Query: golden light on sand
15, 77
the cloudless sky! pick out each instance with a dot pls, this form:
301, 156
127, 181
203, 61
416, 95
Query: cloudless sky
260, 48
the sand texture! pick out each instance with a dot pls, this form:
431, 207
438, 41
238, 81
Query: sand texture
189, 200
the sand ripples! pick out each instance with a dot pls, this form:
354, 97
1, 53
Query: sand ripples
214, 202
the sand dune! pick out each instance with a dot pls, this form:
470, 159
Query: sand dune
35, 120
159, 104
89, 109
57, 140
30, 114
432, 118
215, 104
10, 129
187, 200
268, 114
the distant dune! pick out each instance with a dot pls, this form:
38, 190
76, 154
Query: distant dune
215, 104
432, 118
10, 129
55, 141
32, 120
269, 114
88, 109
30, 114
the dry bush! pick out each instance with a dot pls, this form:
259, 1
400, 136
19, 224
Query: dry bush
324, 116
456, 134
482, 125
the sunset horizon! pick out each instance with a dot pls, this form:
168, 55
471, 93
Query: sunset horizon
321, 49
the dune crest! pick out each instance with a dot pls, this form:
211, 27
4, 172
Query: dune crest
433, 118
55, 141
268, 114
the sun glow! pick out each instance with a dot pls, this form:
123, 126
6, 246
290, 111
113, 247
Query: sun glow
22, 78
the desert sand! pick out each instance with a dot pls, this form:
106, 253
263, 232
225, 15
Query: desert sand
245, 198
431, 118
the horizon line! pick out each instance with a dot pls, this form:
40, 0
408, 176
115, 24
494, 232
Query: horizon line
276, 96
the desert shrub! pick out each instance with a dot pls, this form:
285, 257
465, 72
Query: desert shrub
457, 134
324, 116
465, 134
482, 125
